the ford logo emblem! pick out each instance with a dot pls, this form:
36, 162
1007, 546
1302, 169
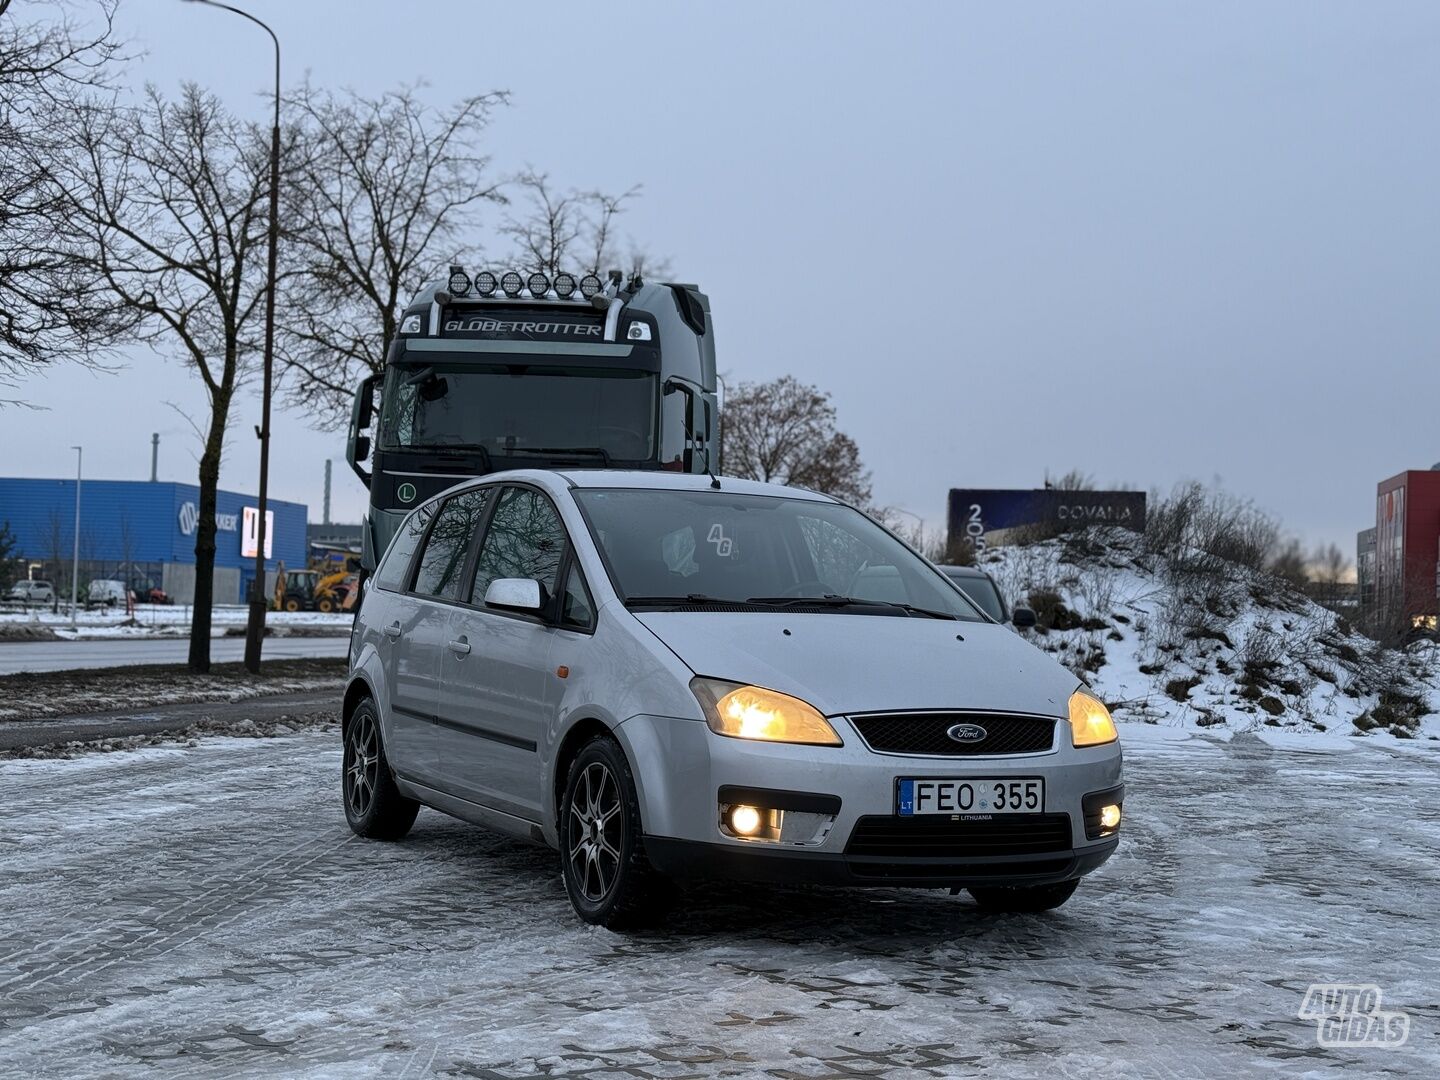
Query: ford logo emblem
966, 732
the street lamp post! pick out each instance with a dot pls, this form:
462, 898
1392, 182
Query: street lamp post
75, 552
255, 627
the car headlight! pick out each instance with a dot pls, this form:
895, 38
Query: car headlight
1090, 722
752, 712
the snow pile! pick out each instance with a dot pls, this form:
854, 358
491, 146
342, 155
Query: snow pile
1191, 640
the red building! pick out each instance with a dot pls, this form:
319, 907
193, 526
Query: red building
1407, 545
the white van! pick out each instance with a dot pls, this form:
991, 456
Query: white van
106, 591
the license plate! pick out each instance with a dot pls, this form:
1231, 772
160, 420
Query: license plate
990, 796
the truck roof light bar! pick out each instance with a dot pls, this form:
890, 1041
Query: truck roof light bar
511, 283
459, 283
590, 285
538, 284
486, 283
564, 285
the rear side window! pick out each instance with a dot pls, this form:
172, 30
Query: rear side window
525, 540
393, 571
443, 562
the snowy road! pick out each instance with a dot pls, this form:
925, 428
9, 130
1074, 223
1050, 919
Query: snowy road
205, 912
17, 656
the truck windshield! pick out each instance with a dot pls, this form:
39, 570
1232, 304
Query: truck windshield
521, 408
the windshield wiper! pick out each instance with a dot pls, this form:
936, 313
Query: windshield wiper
688, 598
591, 451
831, 600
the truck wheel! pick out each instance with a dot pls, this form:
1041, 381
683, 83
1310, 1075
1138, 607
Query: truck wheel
291, 604
602, 853
325, 605
374, 806
1019, 898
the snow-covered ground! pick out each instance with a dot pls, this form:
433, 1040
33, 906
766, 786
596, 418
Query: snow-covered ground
205, 912
1208, 645
166, 620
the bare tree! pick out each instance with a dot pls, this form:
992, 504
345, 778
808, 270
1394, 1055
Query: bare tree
572, 230
1329, 566
784, 431
166, 205
381, 202
47, 309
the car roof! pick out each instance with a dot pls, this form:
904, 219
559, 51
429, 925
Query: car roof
651, 480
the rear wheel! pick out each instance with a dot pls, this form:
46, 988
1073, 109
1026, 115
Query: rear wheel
602, 853
374, 806
325, 605
1023, 897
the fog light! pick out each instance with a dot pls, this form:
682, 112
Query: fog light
745, 820
1110, 816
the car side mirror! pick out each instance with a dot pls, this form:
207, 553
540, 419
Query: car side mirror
1023, 617
362, 447
515, 594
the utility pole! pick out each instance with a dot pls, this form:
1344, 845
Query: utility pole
255, 627
326, 513
155, 457
75, 553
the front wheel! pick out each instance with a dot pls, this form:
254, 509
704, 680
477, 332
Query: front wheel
374, 806
1019, 898
608, 877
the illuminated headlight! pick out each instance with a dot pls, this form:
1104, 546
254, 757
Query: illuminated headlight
486, 283
1090, 721
564, 285
590, 285
753, 712
638, 331
459, 283
411, 325
511, 283
538, 284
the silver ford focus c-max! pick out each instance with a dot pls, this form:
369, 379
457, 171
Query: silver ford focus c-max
664, 676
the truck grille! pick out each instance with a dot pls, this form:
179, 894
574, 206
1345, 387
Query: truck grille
939, 837
925, 733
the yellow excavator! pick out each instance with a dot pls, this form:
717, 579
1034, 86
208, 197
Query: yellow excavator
312, 590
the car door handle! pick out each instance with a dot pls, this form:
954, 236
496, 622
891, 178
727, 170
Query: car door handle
460, 648
393, 630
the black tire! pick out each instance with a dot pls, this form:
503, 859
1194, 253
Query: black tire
602, 848
374, 807
1021, 898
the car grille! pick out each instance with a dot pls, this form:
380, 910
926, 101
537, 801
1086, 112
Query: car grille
924, 733
940, 837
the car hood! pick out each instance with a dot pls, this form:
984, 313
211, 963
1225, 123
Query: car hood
869, 663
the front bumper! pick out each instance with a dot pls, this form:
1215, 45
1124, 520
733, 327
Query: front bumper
752, 862
680, 767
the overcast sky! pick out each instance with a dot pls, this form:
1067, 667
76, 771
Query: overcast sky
1149, 241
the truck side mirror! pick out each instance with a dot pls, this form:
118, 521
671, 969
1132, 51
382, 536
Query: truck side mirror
1023, 617
362, 415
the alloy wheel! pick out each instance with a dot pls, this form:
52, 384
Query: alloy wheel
362, 765
595, 832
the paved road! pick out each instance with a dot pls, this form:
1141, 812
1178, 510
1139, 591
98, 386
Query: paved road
205, 912
17, 656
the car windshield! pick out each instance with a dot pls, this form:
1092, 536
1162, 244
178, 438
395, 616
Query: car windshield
522, 409
713, 548
981, 590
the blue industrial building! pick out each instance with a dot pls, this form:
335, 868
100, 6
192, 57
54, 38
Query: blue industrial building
142, 533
